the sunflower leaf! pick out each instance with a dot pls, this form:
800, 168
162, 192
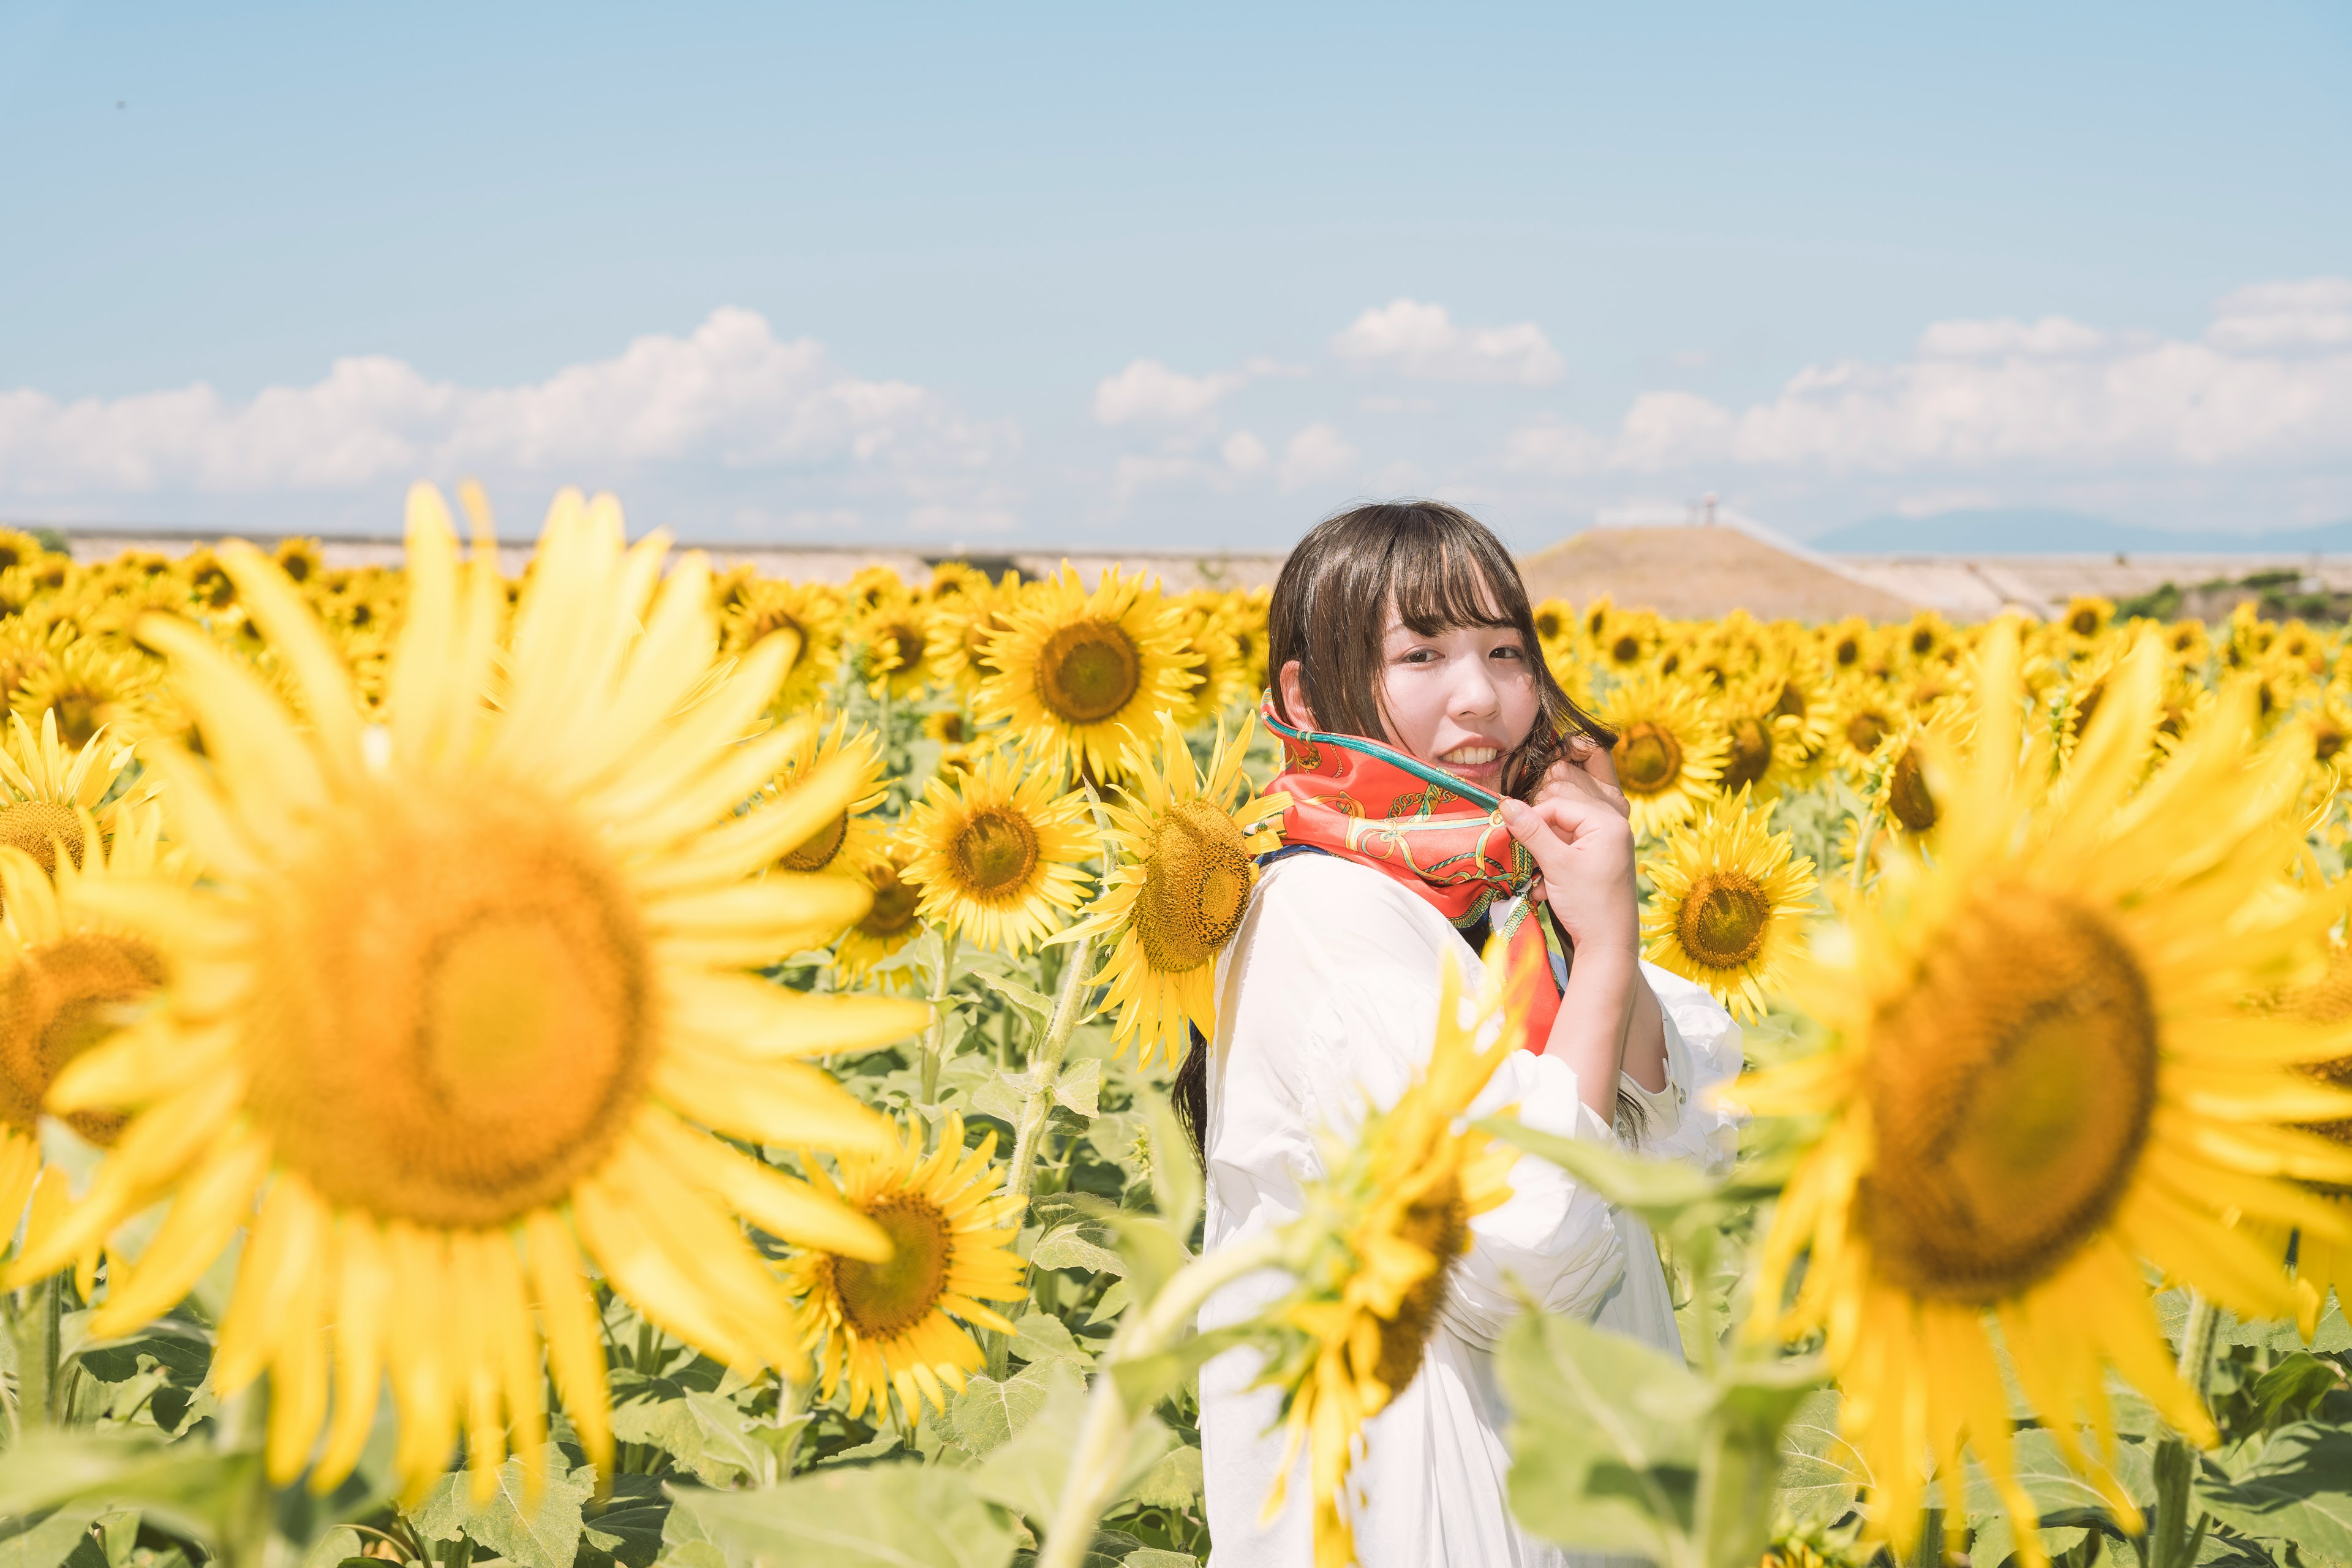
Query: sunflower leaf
42, 1539
990, 1413
1820, 1473
882, 1516
1080, 1088
1066, 1247
2299, 1490
1036, 1004
541, 1533
1027, 1474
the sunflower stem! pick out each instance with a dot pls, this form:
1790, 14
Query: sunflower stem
1045, 1067
33, 1326
1929, 1552
1100, 1456
2179, 1529
1865, 828
935, 1038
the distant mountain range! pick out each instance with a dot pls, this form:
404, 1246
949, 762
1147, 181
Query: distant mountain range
1994, 532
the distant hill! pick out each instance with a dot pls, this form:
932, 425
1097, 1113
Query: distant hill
1994, 532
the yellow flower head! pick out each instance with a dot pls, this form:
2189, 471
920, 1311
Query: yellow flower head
805, 615
463, 998
1729, 903
997, 851
892, 922
845, 843
891, 1327
1080, 674
1187, 848
2042, 1072
1668, 755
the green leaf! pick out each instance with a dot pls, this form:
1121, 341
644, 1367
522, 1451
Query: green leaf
1175, 1482
999, 1094
1115, 1301
181, 1349
187, 1488
884, 1516
2292, 1390
711, 1437
1027, 1473
1821, 1472
625, 1528
1604, 1437
2064, 1500
1153, 1557
1041, 1336
1660, 1191
988, 1412
1079, 1087
1066, 1247
1036, 1004
41, 1539
1740, 1461
2299, 1490
544, 1535
1144, 1381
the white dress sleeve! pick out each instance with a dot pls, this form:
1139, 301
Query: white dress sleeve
1685, 1121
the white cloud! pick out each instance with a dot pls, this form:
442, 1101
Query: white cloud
730, 393
1317, 455
1244, 453
1148, 390
1417, 340
2269, 384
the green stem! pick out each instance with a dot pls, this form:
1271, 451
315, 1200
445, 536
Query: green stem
1866, 828
792, 1400
1929, 1552
33, 1326
935, 1039
249, 1514
1101, 1456
2179, 1529
1045, 1066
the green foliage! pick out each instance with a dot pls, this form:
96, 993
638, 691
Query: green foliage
883, 1516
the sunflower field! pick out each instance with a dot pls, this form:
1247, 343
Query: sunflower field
640, 1064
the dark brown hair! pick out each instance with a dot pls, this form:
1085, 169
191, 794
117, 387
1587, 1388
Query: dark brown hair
1440, 568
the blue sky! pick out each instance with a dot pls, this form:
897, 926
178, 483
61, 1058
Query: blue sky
1175, 276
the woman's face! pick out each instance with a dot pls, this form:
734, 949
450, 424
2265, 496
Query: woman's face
1463, 698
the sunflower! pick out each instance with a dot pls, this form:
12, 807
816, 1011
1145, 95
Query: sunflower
1379, 1236
1764, 748
49, 788
1080, 674
848, 840
1187, 848
1668, 755
90, 687
889, 923
1729, 902
961, 625
2041, 1070
462, 999
1904, 781
65, 978
997, 851
301, 560
897, 636
755, 609
1214, 658
1862, 714
959, 740
1845, 645
891, 1327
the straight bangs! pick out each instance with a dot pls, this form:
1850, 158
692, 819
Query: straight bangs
1456, 579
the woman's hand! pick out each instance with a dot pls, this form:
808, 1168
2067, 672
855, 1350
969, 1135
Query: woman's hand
1584, 848
1586, 770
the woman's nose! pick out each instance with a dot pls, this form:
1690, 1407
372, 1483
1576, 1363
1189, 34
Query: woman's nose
1475, 694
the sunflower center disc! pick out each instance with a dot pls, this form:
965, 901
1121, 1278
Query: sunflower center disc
61, 1000
1440, 1226
2012, 1094
1792, 701
903, 645
1751, 753
1626, 649
38, 827
1649, 758
453, 1022
1088, 671
1907, 799
995, 852
883, 1300
1865, 730
1722, 919
894, 904
1195, 882
816, 852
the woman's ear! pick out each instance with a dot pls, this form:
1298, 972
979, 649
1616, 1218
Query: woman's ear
1292, 689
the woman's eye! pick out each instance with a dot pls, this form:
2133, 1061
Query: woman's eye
1506, 653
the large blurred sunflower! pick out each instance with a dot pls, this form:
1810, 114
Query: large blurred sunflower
1668, 755
890, 1327
1380, 1235
1080, 674
463, 998
2040, 1071
1187, 848
1730, 902
997, 851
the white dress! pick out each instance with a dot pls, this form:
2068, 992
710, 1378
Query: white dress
1327, 1004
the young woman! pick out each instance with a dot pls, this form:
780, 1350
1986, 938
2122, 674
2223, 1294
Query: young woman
1408, 626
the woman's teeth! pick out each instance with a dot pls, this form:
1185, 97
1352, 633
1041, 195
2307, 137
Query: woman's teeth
1470, 756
